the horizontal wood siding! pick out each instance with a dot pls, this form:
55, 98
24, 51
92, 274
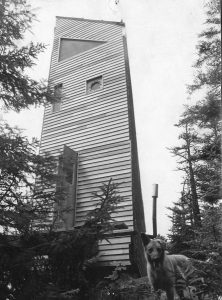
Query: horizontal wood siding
114, 251
96, 124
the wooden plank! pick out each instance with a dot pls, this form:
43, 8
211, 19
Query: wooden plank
91, 130
79, 145
89, 120
124, 206
114, 257
82, 135
102, 168
83, 119
103, 162
89, 138
117, 108
81, 107
96, 32
123, 184
127, 200
79, 90
119, 179
84, 101
89, 191
78, 107
83, 143
122, 154
114, 263
111, 147
85, 130
112, 158
116, 62
108, 174
57, 147
110, 247
98, 106
84, 198
81, 210
89, 63
100, 34
115, 240
102, 93
98, 182
128, 223
114, 252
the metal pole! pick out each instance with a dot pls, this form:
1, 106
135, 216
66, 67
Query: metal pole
155, 195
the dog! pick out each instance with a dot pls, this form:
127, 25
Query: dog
163, 269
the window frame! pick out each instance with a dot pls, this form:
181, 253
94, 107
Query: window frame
92, 79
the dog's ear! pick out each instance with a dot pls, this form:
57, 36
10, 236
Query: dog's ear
145, 238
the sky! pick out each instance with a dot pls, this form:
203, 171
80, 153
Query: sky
162, 36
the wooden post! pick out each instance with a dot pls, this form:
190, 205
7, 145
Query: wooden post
154, 195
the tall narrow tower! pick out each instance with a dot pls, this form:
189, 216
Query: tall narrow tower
93, 124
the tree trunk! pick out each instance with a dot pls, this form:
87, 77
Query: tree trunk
194, 197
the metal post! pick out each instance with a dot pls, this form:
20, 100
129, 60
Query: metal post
154, 195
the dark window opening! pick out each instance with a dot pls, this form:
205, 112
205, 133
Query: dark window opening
56, 106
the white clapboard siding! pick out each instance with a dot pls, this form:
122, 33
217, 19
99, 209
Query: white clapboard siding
96, 124
115, 250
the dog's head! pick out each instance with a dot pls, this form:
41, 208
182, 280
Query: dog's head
154, 248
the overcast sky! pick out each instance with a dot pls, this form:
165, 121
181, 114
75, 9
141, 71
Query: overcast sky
161, 37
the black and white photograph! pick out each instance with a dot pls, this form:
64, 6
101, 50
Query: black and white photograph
110, 150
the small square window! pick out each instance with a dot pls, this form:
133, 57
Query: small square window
56, 106
94, 84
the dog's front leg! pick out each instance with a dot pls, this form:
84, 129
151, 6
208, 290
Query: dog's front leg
176, 296
150, 279
170, 293
152, 289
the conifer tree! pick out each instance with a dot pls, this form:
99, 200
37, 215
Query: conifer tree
17, 89
199, 156
20, 201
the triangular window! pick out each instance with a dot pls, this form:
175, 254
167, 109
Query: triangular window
70, 47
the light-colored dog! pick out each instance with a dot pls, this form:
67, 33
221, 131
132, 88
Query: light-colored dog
163, 269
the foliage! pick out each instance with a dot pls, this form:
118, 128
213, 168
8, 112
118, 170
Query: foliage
187, 162
17, 89
121, 285
108, 199
199, 157
181, 231
208, 64
37, 265
21, 202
